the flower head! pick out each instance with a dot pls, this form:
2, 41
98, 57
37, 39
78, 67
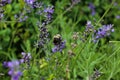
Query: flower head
49, 11
102, 32
44, 35
14, 71
26, 57
88, 30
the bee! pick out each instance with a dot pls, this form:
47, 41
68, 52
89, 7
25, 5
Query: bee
57, 39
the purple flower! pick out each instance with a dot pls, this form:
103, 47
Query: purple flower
14, 71
43, 36
30, 1
118, 17
26, 57
88, 30
49, 11
89, 26
4, 2
9, 1
92, 8
102, 32
37, 5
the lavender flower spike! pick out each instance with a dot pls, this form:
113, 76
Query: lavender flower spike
49, 11
14, 71
26, 57
89, 27
102, 32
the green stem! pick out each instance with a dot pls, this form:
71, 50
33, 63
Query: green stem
91, 33
105, 12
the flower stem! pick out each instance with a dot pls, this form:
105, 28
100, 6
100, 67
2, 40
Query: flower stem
105, 12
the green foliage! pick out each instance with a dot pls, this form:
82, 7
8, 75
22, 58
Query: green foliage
86, 57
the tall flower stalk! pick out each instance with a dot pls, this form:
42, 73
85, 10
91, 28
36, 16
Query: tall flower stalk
44, 34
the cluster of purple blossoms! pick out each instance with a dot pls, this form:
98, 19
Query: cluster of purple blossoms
102, 32
4, 2
14, 69
38, 8
26, 57
92, 8
88, 30
14, 66
89, 27
49, 11
43, 36
59, 45
33, 6
23, 16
